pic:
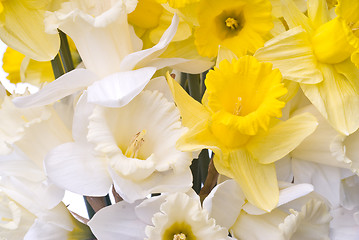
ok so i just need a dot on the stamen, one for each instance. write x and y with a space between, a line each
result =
238 106
232 23
135 144
179 236
24 118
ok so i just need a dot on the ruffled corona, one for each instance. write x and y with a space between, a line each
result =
243 95
182 218
237 25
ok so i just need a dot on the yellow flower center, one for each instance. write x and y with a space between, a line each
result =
179 236
231 23
179 231
133 149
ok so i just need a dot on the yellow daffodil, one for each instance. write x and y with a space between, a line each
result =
22 28
239 25
238 121
316 52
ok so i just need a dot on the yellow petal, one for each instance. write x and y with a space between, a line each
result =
258 181
198 138
281 139
294 17
178 3
192 112
348 10
318 12
336 98
23 30
292 53
11 64
184 31
37 73
146 15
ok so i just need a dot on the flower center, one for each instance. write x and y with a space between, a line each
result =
231 23
238 106
179 236
135 144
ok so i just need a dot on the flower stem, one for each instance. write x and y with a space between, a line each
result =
65 53
57 66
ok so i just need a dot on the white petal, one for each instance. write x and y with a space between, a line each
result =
118 221
65 85
83 110
45 231
224 203
149 207
325 179
74 167
120 88
141 58
160 84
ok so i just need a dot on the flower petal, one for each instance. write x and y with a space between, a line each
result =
292 53
336 98
192 112
65 85
281 139
120 88
73 167
141 58
258 181
118 221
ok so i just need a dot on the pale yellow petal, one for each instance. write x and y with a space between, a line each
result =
258 181
318 12
23 29
292 53
294 17
146 15
37 73
336 98
281 139
198 138
192 112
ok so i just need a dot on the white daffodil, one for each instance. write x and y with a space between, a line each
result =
132 147
24 214
116 67
34 131
298 212
175 216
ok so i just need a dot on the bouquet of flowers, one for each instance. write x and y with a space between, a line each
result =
181 119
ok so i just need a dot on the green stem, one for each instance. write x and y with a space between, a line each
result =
194 86
183 79
196 176
65 53
57 67
203 161
89 209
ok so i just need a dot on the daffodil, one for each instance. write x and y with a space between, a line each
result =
116 67
22 28
240 26
132 147
300 213
177 216
316 53
238 121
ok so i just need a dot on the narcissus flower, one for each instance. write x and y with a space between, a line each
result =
132 147
238 121
177 216
240 26
316 52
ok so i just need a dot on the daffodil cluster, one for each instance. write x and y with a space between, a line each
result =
180 119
